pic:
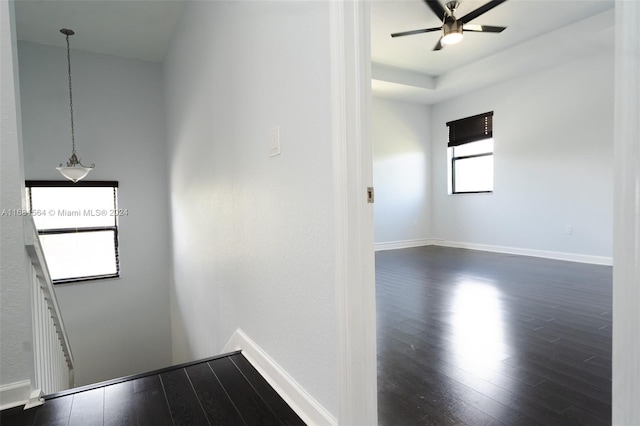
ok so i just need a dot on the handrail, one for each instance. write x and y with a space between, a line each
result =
34 249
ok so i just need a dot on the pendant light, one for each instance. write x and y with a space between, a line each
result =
74 169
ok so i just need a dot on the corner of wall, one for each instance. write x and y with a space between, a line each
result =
16 360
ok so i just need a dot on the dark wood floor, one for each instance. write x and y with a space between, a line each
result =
223 391
475 338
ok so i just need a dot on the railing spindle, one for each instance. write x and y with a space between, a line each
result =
53 361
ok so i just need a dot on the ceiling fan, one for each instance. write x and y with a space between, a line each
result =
452 27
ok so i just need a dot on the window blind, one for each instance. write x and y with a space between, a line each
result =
470 129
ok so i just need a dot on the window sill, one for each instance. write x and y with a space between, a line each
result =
85 279
471 192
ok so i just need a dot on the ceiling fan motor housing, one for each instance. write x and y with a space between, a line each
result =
452 6
451 30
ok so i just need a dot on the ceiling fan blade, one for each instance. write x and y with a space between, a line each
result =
439 45
479 11
437 8
406 33
483 28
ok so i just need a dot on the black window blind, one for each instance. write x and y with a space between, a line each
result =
470 129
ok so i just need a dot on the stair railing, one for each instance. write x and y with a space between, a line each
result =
53 360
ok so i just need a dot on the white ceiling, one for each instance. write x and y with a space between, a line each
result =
140 29
524 19
539 33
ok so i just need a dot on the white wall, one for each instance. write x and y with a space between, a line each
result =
16 356
253 235
553 134
116 326
401 170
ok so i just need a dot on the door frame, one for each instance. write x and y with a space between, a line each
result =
353 214
355 269
626 217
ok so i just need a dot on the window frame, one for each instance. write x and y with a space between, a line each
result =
454 158
57 231
464 131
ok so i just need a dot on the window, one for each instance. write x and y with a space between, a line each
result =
470 152
78 228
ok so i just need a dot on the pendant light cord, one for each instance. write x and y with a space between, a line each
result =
73 138
74 169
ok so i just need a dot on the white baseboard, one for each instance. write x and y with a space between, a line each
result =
394 245
309 410
14 394
571 257
35 399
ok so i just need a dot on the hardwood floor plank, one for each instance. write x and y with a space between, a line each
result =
253 409
577 416
279 407
492 338
150 402
119 408
436 385
183 403
152 408
214 400
17 416
578 400
526 401
189 394
54 411
579 380
442 348
147 383
87 408
397 410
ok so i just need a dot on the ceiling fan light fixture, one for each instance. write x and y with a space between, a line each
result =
452 27
452 32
